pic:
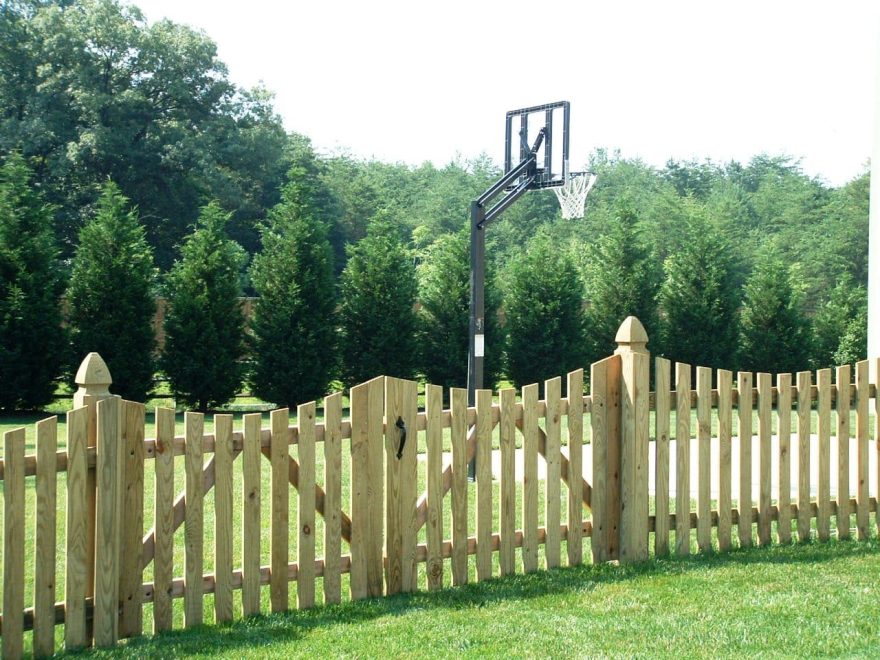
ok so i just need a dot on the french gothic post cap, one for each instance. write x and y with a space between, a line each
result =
93 379
631 336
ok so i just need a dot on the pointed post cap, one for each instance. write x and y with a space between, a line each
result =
93 379
631 337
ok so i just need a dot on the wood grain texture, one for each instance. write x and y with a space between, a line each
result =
783 495
725 457
107 540
75 635
250 515
401 439
507 513
530 478
804 413
704 465
332 498
765 422
163 560
13 544
844 378
634 456
823 519
552 484
744 428
44 542
862 498
409 485
434 442
131 621
575 400
662 385
305 579
605 422
194 521
279 539
682 459
483 459
223 529
459 486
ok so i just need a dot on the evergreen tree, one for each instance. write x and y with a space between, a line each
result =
698 299
111 296
294 333
621 280
444 294
378 288
32 341
544 303
845 305
853 345
774 332
204 324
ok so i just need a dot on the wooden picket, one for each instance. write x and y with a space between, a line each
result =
704 465
163 558
575 402
765 452
107 531
459 486
223 517
823 519
333 498
804 407
75 631
744 426
662 385
13 543
250 516
862 496
725 455
682 459
842 439
434 448
483 460
194 531
507 513
44 544
783 496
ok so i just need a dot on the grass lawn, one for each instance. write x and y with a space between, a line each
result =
796 601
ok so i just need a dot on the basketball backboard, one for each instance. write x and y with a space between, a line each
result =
547 127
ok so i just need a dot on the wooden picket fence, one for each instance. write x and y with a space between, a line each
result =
392 535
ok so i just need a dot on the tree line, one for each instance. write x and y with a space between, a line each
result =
132 167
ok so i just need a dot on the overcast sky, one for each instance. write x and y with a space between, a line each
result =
411 81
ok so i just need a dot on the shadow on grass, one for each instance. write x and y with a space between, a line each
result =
289 626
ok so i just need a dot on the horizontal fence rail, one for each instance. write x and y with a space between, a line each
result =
189 525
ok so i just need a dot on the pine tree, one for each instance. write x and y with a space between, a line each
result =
378 288
111 296
699 300
32 344
845 306
204 324
444 294
294 330
774 332
621 280
543 303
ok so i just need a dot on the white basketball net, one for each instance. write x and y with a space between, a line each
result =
573 195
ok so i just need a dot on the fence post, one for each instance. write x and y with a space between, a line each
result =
634 421
93 382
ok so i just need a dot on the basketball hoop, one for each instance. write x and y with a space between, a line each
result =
572 195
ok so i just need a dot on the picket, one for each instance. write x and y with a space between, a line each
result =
844 377
250 516
765 420
704 466
194 522
483 459
575 401
131 568
783 497
725 449
305 579
279 458
530 478
44 543
108 475
552 482
333 498
823 520
804 411
459 486
744 428
163 559
682 459
507 514
862 498
223 518
662 385
75 572
13 543
434 448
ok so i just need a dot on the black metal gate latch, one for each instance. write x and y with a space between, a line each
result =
402 426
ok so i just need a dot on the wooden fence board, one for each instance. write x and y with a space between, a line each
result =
13 544
44 544
507 514
250 515
393 487
279 539
332 498
783 496
862 498
744 428
75 551
662 385
823 520
765 421
725 449
459 486
682 459
605 421
804 411
552 484
163 559
574 542
409 486
194 522
305 579
530 478
434 442
844 378
223 518
704 464
634 424
483 458
108 504
131 570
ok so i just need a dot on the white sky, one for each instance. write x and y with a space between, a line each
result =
411 81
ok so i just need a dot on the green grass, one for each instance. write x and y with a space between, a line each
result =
796 601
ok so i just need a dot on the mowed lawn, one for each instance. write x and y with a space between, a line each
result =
796 601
